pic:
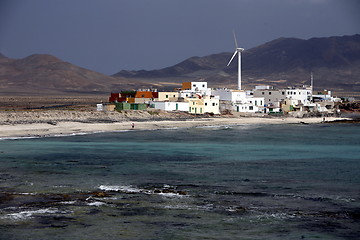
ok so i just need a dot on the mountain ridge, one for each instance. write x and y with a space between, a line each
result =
41 74
335 62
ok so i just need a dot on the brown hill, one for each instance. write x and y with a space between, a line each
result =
42 74
334 61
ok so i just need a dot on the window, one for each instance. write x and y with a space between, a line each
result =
203 85
262 93
206 104
166 96
251 107
269 93
213 104
194 85
283 93
255 102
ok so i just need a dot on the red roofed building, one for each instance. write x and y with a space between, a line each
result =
145 96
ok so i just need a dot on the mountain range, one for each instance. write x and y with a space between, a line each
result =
334 62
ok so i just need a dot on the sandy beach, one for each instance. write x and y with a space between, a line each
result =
27 124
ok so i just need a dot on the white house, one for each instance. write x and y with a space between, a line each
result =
99 107
229 94
170 106
250 104
322 95
303 94
241 101
190 88
273 97
194 86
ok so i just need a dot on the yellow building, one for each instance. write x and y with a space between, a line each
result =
168 96
203 105
290 105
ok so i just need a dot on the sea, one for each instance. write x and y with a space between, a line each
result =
251 181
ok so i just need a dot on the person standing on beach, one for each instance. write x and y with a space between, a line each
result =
132 125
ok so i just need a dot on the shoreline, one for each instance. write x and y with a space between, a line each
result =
68 128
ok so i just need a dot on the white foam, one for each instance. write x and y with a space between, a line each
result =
131 189
68 202
275 216
70 134
215 127
171 195
179 206
126 189
97 204
19 138
30 213
26 193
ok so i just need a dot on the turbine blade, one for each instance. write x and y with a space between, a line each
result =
236 44
232 57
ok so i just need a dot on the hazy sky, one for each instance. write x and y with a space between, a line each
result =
111 35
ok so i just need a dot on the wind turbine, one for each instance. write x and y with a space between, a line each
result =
237 51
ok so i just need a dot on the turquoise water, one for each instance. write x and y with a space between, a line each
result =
234 182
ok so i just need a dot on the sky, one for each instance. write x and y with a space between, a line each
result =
112 35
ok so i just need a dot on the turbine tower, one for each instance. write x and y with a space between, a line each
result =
237 51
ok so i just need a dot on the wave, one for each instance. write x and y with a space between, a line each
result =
23 215
125 189
96 203
316 198
216 127
44 136
60 135
19 138
166 190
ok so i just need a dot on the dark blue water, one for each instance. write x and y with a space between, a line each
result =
242 182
